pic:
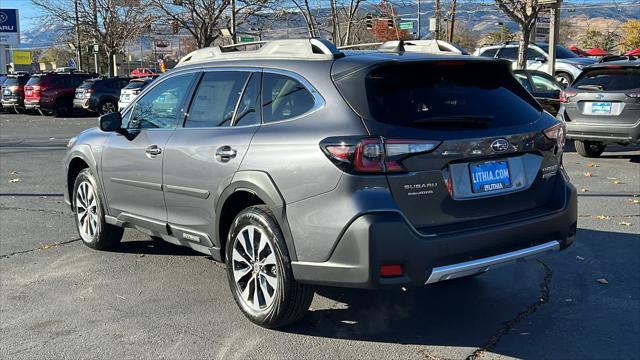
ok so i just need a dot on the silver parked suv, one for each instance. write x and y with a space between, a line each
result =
297 164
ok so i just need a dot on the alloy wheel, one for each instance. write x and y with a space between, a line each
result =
108 108
255 270
87 211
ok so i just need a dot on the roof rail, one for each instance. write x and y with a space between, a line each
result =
355 46
303 49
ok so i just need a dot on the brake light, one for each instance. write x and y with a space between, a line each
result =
566 95
374 155
635 95
556 132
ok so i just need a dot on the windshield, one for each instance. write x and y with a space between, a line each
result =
609 79
442 94
561 51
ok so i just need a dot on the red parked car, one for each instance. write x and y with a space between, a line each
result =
53 92
143 72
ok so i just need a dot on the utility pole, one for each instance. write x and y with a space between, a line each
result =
418 33
78 46
453 20
437 19
554 34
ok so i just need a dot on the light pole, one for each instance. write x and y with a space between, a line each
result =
418 33
233 21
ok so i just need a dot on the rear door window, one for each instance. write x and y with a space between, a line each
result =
216 98
248 112
284 98
609 79
489 52
510 53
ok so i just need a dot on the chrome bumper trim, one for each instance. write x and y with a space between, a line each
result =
453 271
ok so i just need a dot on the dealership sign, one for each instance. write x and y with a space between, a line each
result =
9 27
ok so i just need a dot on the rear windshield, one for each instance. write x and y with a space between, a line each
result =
136 85
451 94
609 79
86 84
13 81
34 80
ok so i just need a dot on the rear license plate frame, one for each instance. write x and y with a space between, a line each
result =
490 186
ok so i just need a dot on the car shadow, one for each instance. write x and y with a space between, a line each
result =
472 312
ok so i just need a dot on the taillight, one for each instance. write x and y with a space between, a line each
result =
635 95
556 132
374 155
135 91
566 95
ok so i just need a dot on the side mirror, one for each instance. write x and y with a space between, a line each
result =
541 59
110 122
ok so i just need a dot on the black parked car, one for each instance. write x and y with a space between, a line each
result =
544 87
100 95
603 107
13 92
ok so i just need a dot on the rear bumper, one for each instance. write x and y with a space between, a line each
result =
12 103
31 104
385 237
625 134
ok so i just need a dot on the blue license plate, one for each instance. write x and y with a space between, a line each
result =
601 108
490 176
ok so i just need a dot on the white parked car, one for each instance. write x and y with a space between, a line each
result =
131 91
568 64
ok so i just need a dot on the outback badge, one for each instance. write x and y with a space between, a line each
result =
500 145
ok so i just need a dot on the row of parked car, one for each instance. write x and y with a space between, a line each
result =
60 93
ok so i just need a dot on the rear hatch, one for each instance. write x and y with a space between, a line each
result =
13 87
85 89
604 95
488 159
129 92
33 88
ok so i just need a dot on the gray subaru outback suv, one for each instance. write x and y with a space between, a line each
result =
297 164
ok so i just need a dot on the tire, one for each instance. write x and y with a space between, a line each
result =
90 223
107 107
271 274
589 149
565 79
61 109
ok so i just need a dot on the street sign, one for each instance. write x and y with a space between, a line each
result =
246 39
408 25
542 27
433 24
9 27
22 57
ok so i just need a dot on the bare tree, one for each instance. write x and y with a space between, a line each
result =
523 12
345 16
307 14
110 23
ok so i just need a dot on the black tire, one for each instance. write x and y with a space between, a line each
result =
291 300
565 79
61 109
107 107
590 149
105 236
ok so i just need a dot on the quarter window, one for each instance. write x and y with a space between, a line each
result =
161 107
216 98
284 98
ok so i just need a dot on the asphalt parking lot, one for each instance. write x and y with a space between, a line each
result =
150 299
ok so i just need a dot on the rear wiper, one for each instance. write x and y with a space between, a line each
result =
457 120
591 87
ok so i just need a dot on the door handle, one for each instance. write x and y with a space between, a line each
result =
153 151
225 153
